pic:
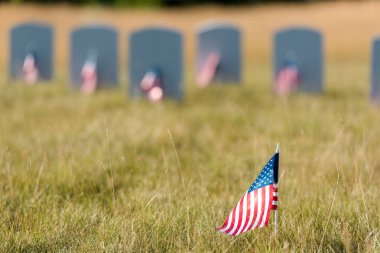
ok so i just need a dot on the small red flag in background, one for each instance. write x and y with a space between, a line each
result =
89 76
287 80
208 71
30 69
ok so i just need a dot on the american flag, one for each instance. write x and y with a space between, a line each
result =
151 85
208 70
89 75
30 69
253 209
287 80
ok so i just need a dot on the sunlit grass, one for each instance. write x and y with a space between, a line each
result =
86 173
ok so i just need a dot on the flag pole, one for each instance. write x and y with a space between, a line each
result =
276 183
275 221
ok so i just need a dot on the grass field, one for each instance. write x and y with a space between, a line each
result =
104 173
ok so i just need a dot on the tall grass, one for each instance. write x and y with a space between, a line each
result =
105 172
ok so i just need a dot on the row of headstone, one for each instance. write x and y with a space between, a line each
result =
156 58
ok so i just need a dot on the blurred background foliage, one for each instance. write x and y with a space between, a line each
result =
153 3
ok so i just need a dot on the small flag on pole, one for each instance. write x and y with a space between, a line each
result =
253 209
287 80
30 69
89 75
151 85
208 71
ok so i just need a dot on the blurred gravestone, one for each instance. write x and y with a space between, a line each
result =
219 54
31 49
375 71
301 47
156 52
96 45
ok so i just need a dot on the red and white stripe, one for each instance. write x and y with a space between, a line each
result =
252 211
30 70
208 71
287 80
275 197
152 87
89 77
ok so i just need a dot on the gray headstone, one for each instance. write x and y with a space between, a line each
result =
158 48
99 42
304 47
225 39
375 70
31 38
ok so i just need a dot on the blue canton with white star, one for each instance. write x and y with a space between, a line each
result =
265 177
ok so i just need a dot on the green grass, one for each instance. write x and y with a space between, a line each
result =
100 173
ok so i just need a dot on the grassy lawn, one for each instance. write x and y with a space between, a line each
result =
106 173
